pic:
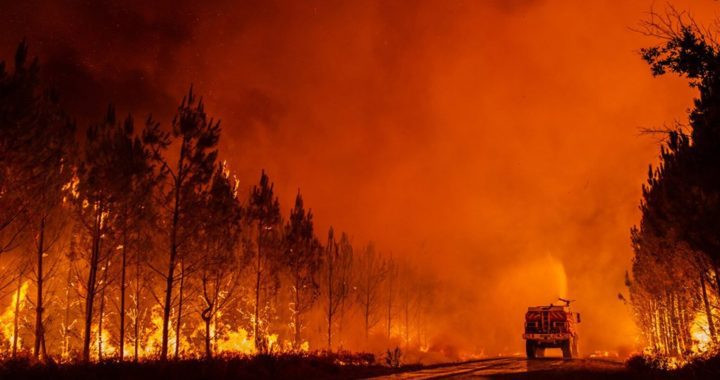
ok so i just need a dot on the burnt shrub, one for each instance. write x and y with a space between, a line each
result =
319 365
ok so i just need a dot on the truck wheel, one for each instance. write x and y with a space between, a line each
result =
530 349
575 352
567 354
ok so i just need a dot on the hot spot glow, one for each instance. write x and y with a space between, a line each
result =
7 318
700 334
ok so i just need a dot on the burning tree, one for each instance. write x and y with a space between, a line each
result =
100 214
36 145
302 259
197 137
221 262
111 191
135 211
264 216
370 273
675 269
337 278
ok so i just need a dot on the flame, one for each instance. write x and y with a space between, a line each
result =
154 341
226 339
72 188
108 349
273 342
237 342
7 318
700 334
305 346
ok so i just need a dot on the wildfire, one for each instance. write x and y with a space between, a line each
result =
237 341
154 341
700 334
7 318
104 339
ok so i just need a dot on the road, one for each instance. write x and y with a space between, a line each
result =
487 368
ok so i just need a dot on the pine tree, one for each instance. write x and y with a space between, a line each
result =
197 137
264 215
302 259
337 269
37 141
220 265
676 247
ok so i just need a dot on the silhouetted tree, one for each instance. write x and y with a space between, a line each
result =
302 259
390 290
36 145
337 269
676 247
370 272
220 265
198 138
21 126
93 200
264 213
134 186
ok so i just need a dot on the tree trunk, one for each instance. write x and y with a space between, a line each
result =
168 300
706 303
717 279
173 252
687 320
215 335
330 303
367 316
674 324
407 323
297 312
389 310
341 323
207 313
102 310
180 306
664 330
208 348
16 316
94 258
122 295
136 327
66 318
39 303
258 272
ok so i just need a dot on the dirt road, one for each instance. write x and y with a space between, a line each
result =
506 367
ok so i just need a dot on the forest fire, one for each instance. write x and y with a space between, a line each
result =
282 185
8 319
702 340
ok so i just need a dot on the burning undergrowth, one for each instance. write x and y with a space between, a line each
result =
319 365
698 366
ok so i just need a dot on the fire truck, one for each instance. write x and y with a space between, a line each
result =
551 326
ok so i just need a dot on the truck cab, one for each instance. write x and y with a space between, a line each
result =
552 326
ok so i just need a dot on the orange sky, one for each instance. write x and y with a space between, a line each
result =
496 143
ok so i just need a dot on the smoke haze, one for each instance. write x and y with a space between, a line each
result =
495 145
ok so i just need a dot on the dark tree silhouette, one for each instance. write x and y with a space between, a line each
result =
36 145
337 269
94 197
302 259
134 181
677 250
221 264
88 220
198 138
264 213
370 273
